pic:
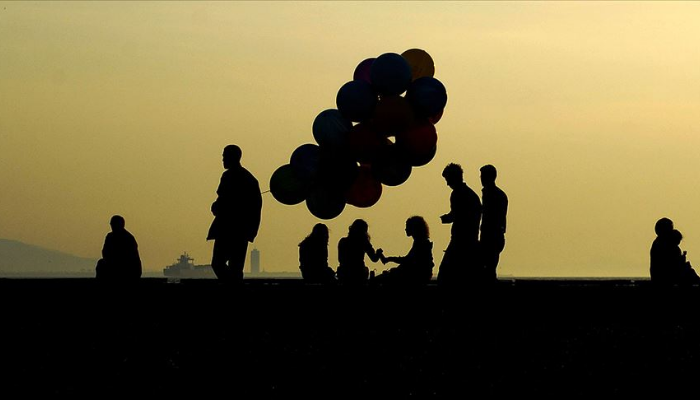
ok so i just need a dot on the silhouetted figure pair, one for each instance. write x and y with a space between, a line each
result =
351 254
461 263
416 267
237 210
668 263
493 222
120 254
313 256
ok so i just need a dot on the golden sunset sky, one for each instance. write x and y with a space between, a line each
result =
589 110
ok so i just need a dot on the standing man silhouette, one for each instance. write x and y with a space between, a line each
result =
461 261
493 222
236 212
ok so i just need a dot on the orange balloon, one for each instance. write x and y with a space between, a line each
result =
421 63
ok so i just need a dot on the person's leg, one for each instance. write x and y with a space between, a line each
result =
446 272
491 251
219 259
236 262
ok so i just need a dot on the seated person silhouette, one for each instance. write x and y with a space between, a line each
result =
686 275
351 254
416 267
668 264
313 256
120 254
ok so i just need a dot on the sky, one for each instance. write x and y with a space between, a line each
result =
590 111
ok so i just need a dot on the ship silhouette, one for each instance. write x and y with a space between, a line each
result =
186 268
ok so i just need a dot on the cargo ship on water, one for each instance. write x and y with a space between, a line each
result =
186 268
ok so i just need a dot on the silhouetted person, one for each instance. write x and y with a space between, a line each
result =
686 273
120 254
493 222
416 267
668 264
236 212
461 261
351 254
313 256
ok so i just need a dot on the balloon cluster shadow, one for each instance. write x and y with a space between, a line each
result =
383 127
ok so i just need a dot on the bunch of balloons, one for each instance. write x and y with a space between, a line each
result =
383 126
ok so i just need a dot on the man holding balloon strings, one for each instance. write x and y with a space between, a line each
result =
237 211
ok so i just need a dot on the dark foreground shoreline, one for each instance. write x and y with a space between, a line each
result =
277 338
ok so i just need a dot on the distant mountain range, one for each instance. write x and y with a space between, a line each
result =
19 259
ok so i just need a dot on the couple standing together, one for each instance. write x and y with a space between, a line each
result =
478 230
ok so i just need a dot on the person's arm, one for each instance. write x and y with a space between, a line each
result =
371 253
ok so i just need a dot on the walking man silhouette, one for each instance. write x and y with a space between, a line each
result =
461 262
237 211
493 222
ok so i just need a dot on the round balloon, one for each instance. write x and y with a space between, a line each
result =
393 115
421 63
419 139
325 203
365 142
392 167
305 161
362 71
420 159
366 190
337 169
390 74
436 118
427 96
287 187
356 100
331 129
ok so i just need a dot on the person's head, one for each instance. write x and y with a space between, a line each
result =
452 174
359 228
232 156
676 236
320 231
663 226
488 175
417 228
117 223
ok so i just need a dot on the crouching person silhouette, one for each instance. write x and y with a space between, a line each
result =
120 254
416 267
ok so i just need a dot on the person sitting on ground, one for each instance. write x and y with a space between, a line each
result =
351 254
416 267
120 254
313 256
668 263
685 274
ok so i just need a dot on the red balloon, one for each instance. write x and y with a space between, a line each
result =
436 118
393 115
366 190
419 139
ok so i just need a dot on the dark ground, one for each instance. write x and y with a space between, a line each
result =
278 338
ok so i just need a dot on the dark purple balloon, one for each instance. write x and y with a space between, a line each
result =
362 72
